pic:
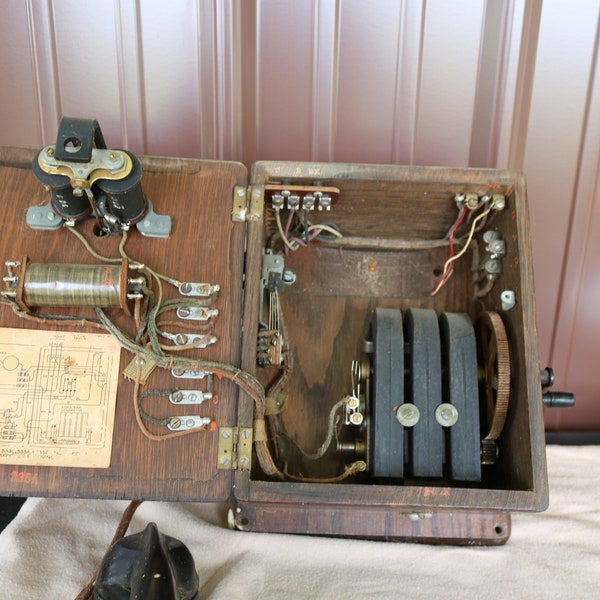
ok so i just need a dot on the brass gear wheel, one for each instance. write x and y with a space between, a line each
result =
495 371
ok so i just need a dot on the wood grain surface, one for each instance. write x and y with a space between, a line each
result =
328 310
327 314
204 246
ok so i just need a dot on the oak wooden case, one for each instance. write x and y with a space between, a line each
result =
327 313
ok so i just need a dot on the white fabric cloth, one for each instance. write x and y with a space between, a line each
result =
50 550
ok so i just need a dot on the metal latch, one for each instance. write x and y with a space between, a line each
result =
248 203
235 448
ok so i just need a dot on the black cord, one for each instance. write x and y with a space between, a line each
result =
306 236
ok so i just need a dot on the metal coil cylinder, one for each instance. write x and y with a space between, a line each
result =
51 284
72 285
63 199
124 197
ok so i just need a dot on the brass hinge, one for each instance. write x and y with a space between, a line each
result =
248 201
235 448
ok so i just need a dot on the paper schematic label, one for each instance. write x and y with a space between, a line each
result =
57 397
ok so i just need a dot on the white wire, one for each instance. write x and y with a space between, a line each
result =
326 228
445 271
287 242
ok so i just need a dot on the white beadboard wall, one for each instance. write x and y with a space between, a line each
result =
506 83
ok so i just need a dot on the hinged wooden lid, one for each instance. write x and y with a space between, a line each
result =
205 245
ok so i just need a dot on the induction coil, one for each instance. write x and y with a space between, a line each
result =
72 285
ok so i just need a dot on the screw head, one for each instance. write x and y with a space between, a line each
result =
177 396
408 414
499 203
181 339
356 418
353 402
184 311
446 414
472 202
175 422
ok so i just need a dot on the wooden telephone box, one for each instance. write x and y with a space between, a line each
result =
372 332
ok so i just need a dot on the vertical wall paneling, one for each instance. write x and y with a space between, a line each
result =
367 81
218 70
494 57
248 98
406 100
191 67
516 143
551 153
130 70
207 71
507 83
284 79
87 65
514 72
172 80
448 82
45 70
576 342
324 78
18 92
228 80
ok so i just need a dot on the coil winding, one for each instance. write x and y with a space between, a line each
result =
72 285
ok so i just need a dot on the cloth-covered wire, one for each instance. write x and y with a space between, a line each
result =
156 355
244 380
448 265
86 592
309 231
320 452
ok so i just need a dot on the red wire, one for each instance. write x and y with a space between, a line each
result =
461 216
459 220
